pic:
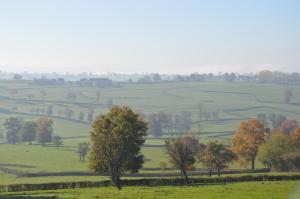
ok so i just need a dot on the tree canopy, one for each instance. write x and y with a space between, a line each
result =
116 141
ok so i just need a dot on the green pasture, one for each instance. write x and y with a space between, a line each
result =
234 101
244 190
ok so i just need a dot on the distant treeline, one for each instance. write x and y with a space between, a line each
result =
264 76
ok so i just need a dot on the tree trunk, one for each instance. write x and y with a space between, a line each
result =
115 178
253 163
185 176
83 158
210 172
219 173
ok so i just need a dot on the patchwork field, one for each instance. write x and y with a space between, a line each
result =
234 101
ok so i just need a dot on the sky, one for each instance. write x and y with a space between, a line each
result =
142 36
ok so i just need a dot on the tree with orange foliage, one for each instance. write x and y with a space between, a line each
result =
247 139
296 137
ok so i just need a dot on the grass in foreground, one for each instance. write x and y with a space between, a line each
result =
245 190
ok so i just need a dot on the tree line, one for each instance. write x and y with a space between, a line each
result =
40 131
117 138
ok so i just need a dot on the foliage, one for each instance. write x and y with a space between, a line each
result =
28 131
155 127
247 139
296 137
273 151
182 153
117 138
44 129
13 127
83 148
216 156
57 140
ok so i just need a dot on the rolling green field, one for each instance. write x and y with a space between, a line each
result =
249 190
234 101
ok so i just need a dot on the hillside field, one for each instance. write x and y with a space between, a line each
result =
234 101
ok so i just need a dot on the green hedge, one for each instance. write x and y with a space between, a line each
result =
145 182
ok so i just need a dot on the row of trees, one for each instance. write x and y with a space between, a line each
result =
182 122
117 138
41 131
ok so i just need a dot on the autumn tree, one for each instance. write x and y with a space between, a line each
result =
216 156
13 127
182 153
28 131
116 139
44 130
83 148
247 139
296 137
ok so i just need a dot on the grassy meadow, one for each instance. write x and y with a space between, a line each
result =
244 190
234 101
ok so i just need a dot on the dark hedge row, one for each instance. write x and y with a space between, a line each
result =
146 182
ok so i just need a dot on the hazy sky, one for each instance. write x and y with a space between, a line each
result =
166 36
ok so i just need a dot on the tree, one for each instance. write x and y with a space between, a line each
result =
44 130
156 77
50 110
155 125
28 131
98 94
81 116
182 153
288 125
296 137
68 113
276 120
43 93
273 151
265 76
247 139
83 148
263 119
117 138
57 140
17 77
90 115
166 120
110 102
13 126
216 156
288 94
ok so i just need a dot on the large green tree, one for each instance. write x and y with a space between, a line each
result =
274 153
116 141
